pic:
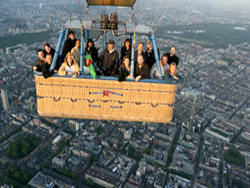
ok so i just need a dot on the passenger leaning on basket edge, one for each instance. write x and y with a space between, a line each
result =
69 66
171 74
88 63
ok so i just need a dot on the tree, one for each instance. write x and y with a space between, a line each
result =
73 175
64 171
25 151
6 165
25 177
89 182
43 150
95 158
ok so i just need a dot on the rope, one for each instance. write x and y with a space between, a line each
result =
59 8
155 14
142 10
84 10
162 15
66 9
73 2
57 13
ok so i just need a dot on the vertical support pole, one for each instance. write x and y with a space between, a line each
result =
59 43
157 58
82 50
64 39
132 55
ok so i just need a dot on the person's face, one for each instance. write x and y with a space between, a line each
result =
87 61
69 60
72 36
140 47
172 51
111 47
126 62
127 45
164 60
140 60
78 44
173 69
49 59
90 44
149 45
47 49
40 55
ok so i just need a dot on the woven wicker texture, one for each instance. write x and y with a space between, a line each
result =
105 99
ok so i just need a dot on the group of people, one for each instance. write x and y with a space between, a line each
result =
108 63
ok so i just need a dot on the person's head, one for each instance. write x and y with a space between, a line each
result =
72 34
172 50
164 60
140 59
49 58
40 54
149 44
125 62
111 45
78 43
172 69
87 59
47 47
69 59
127 43
90 43
140 47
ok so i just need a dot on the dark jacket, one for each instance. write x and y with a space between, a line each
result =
125 52
169 78
38 64
93 52
151 57
144 56
109 62
69 44
123 74
143 71
52 52
172 59
45 70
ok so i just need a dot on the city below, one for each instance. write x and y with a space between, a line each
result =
207 143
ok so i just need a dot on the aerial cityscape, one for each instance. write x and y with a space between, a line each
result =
207 143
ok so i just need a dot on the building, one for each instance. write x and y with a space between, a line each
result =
5 99
57 139
127 134
74 125
41 181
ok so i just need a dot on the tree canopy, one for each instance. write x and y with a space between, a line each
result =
20 148
233 156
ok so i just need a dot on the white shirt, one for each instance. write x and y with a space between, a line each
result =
70 68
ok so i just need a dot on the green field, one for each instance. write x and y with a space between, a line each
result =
216 35
26 38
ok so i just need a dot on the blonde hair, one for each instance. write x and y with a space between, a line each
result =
69 55
172 64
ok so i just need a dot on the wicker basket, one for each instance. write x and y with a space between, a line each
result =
105 99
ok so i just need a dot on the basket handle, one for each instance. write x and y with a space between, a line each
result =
154 105
121 102
56 100
90 101
73 100
171 105
39 97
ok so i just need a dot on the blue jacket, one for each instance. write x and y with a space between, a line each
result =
169 78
